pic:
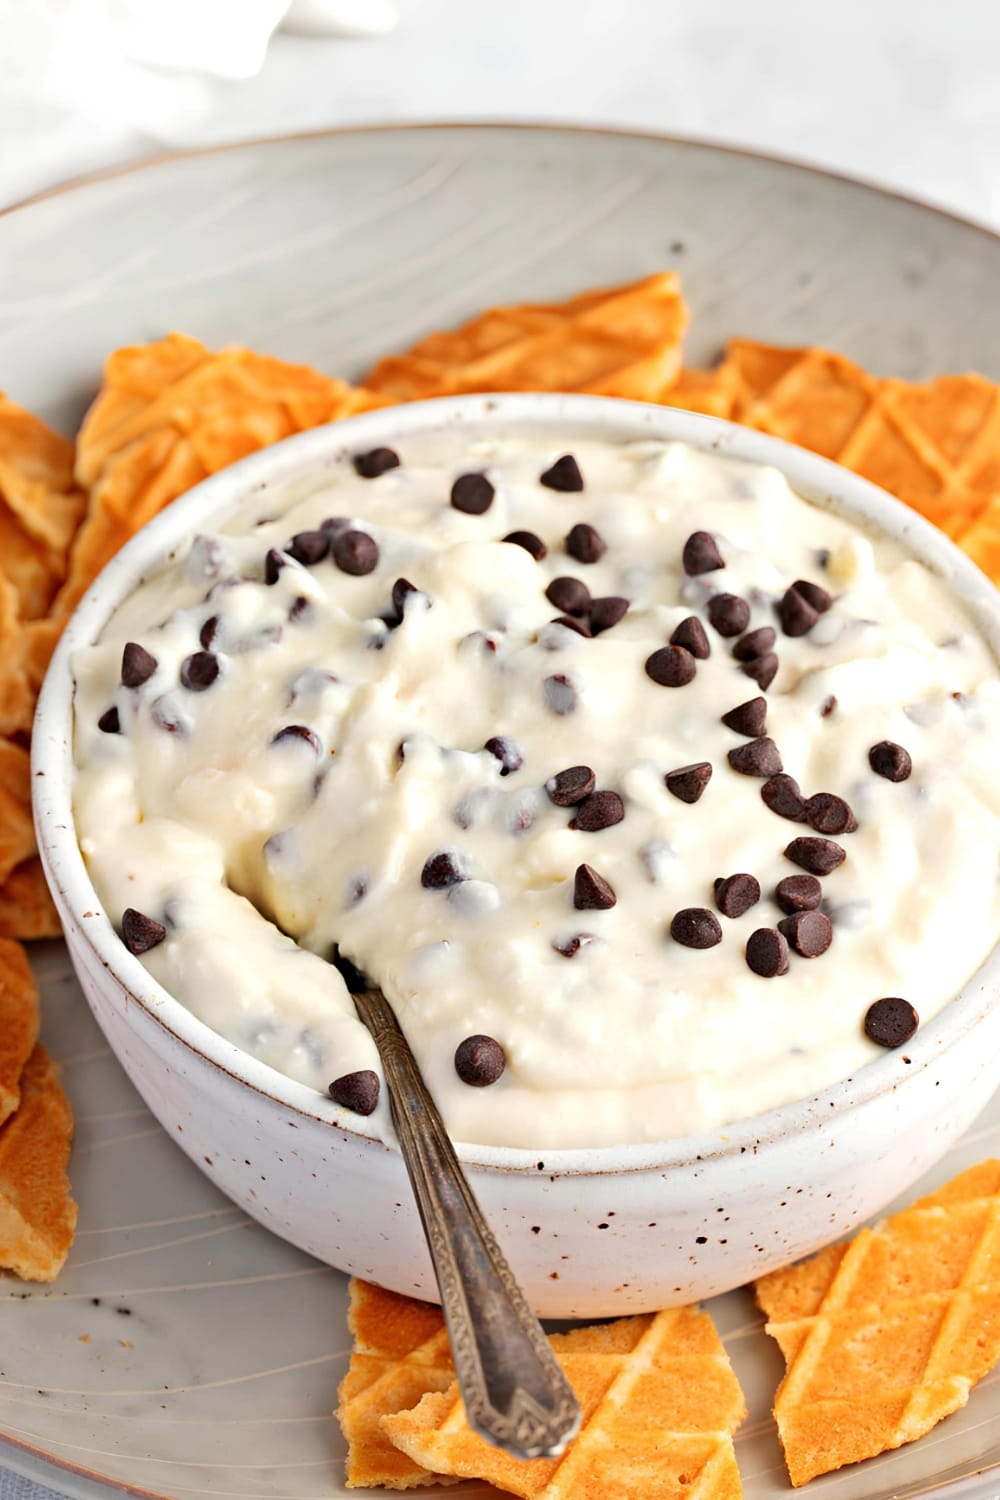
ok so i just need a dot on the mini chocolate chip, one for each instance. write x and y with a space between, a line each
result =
735 894
401 591
479 1061
759 757
818 856
298 732
830 814
273 564
599 810
110 722
529 541
690 634
763 670
810 933
355 552
671 666
139 932
506 752
299 606
138 665
569 947
208 632
309 547
585 543
688 782
796 614
729 614
700 554
375 462
891 1022
473 494
607 612
570 595
767 953
199 671
559 694
798 893
783 796
591 892
748 718
441 870
755 643
358 1091
828 706
696 927
579 627
890 760
564 475
814 594
567 788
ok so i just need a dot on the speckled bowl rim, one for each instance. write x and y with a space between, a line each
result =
566 417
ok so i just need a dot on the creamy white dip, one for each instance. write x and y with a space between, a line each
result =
256 855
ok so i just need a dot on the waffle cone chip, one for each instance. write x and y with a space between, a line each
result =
18 1023
37 1211
660 1404
884 1336
618 341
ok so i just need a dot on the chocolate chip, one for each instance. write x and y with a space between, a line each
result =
529 541
585 543
748 718
890 760
138 665
375 462
798 893
559 694
564 475
690 634
671 666
759 757
479 1061
818 856
298 732
569 947
796 614
810 933
891 1022
110 722
591 892
299 606
570 595
309 547
506 752
208 632
473 494
755 643
700 554
139 932
830 814
567 788
441 870
762 669
767 953
401 591
814 594
273 564
783 796
607 612
728 613
355 552
358 1091
599 810
570 622
199 671
828 706
696 927
688 782
735 894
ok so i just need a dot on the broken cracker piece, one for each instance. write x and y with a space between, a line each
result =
18 1022
37 1211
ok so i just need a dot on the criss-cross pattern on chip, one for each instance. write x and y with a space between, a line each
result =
885 1335
618 341
37 1211
660 1404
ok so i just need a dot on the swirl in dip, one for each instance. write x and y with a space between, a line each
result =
518 804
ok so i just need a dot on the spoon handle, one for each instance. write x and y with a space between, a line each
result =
515 1393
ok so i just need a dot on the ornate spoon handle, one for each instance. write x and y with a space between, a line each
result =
515 1393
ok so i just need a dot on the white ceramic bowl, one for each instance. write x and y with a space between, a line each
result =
589 1232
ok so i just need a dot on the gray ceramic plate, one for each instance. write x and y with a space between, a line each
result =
184 1352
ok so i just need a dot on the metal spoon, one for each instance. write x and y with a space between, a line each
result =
515 1393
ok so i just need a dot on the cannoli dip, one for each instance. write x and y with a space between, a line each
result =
652 795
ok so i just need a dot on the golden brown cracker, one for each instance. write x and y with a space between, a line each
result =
37 1211
27 911
18 1022
17 834
40 507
